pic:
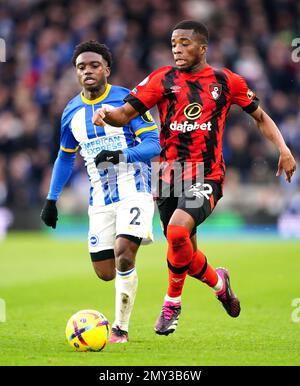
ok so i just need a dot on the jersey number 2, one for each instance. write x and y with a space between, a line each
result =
137 214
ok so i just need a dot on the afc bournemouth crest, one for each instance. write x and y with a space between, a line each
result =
250 93
215 90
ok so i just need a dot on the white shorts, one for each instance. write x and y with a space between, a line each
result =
130 216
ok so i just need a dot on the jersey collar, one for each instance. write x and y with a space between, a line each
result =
97 100
203 70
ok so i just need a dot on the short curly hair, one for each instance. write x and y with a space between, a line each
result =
199 28
92 46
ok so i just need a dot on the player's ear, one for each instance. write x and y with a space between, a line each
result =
107 71
203 49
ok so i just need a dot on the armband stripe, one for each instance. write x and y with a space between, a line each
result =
150 128
69 150
252 106
136 104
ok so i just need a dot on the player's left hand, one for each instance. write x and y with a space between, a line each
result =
286 163
113 157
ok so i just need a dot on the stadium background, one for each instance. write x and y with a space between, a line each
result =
253 38
46 276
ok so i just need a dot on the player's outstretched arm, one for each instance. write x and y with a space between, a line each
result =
270 131
118 116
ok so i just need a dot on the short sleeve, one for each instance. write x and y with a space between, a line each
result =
242 95
67 141
148 93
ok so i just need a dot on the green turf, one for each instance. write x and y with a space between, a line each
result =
44 282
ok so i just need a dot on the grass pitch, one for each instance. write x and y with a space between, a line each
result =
44 282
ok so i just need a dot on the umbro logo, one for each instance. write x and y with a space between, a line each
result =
176 280
173 89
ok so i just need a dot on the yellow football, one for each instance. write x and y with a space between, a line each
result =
88 330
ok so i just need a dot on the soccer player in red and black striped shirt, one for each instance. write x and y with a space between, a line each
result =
193 100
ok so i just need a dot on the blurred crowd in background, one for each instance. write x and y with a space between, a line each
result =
251 37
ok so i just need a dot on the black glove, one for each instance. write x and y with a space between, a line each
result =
49 213
114 157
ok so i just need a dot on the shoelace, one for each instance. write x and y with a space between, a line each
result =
224 295
119 332
168 311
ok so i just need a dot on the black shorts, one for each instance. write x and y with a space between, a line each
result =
198 201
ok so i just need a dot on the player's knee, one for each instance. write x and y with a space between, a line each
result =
105 275
177 235
124 262
105 269
125 252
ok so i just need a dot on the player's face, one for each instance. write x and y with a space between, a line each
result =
92 70
187 49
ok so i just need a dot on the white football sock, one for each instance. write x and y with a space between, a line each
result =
126 285
174 300
219 284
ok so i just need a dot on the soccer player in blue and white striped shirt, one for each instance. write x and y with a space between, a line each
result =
121 204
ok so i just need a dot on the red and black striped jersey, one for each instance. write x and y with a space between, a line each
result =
193 108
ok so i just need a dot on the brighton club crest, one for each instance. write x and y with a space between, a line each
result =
215 90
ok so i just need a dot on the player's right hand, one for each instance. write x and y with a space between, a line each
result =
49 213
99 115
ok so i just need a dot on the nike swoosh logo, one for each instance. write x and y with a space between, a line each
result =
109 158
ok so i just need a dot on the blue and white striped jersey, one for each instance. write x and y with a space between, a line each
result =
78 131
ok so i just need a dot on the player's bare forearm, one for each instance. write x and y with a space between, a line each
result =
118 116
270 131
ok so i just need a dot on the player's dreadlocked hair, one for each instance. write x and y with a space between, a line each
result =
199 28
92 46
